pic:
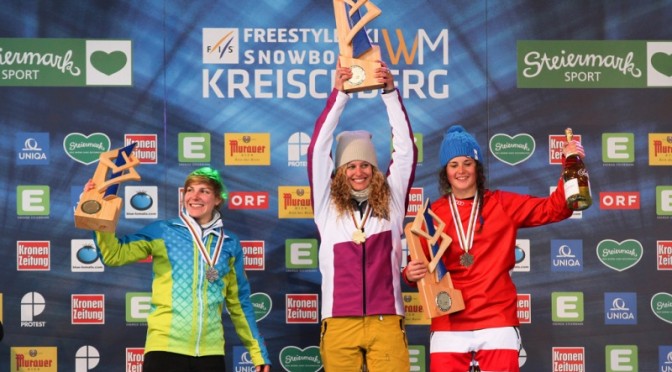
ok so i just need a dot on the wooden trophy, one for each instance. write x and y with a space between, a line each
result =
356 49
436 291
98 209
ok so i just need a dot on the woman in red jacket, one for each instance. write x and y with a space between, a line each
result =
483 225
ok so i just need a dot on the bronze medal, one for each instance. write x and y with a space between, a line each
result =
211 274
90 207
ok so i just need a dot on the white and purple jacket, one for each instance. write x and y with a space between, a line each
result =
360 279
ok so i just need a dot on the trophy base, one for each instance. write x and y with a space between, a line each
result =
98 214
440 298
363 70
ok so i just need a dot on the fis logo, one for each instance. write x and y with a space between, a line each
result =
220 45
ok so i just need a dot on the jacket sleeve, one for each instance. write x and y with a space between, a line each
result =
530 211
401 171
320 163
240 308
128 249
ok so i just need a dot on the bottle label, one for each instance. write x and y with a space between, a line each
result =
571 187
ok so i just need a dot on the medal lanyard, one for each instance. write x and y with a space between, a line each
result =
465 240
199 243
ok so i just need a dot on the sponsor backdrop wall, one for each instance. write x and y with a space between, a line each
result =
203 83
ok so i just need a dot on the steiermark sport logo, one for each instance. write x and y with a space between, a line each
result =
294 359
65 62
619 256
86 149
512 150
661 305
594 63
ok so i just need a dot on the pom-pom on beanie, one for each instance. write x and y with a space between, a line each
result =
457 142
355 145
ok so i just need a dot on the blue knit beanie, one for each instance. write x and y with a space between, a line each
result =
457 142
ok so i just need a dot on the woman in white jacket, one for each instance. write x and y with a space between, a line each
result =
359 213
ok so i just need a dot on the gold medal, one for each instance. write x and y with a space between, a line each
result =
358 236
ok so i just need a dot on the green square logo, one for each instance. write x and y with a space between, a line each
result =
418 359
621 358
418 137
32 200
567 307
618 147
301 254
193 147
664 200
138 305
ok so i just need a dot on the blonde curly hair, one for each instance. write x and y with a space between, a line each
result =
379 196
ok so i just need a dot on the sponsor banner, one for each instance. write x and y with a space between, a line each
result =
295 359
88 309
301 254
415 201
594 64
32 148
524 308
664 254
33 255
247 148
621 358
301 308
660 149
415 313
134 358
512 150
248 200
619 256
254 252
46 62
34 358
294 202
146 147
611 200
569 359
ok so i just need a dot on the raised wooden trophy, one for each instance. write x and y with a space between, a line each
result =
436 289
99 208
355 48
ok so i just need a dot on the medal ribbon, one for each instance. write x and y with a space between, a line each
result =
194 230
465 240
366 216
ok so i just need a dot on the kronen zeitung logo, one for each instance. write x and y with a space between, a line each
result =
594 64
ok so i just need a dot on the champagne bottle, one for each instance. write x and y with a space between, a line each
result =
577 184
